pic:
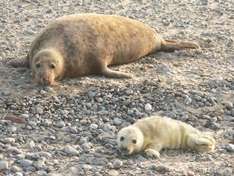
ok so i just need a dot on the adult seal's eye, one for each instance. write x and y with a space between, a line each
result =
52 66
134 141
121 138
38 65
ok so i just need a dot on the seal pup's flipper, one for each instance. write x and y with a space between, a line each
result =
172 45
201 142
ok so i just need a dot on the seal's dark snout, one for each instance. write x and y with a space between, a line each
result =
124 151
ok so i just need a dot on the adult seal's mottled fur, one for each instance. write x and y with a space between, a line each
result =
78 45
155 133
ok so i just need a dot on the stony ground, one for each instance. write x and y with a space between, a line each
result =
71 129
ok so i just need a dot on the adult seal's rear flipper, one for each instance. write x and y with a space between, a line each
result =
172 45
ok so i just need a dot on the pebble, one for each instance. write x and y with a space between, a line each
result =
86 146
19 174
230 147
39 109
3 165
117 163
117 121
148 107
91 94
15 119
160 168
190 173
93 126
14 150
16 168
25 162
42 173
71 151
224 172
12 129
113 172
40 164
60 124
26 116
9 140
187 100
228 104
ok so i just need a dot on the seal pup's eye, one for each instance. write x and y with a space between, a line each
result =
134 141
38 65
52 66
121 138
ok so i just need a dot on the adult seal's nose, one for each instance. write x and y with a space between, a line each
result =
46 81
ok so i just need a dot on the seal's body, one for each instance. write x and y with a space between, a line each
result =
78 45
154 133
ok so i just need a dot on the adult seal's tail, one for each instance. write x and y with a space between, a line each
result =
78 45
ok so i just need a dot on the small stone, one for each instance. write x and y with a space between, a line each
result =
162 169
20 156
40 164
93 126
39 109
224 172
190 173
42 173
117 163
14 150
26 116
16 169
113 172
230 147
148 107
130 112
117 121
3 165
60 124
19 174
212 125
49 89
45 154
83 140
228 104
12 129
25 163
187 100
31 144
71 151
86 167
86 146
42 92
15 119
9 140
91 94
99 99
47 122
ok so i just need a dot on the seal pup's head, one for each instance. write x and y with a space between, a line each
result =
130 140
47 66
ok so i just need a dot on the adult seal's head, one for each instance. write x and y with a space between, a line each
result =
47 66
